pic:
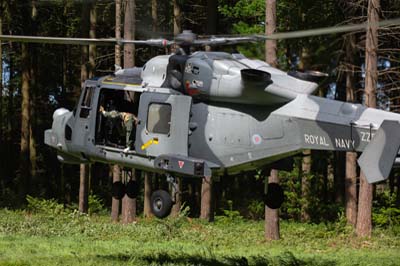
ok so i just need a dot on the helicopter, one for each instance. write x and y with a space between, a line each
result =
213 114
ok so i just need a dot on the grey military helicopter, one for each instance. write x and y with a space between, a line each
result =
209 114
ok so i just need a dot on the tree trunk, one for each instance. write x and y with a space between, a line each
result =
364 223
147 194
206 211
154 16
92 35
339 177
128 204
305 185
84 169
351 188
351 157
83 188
129 33
116 169
272 215
116 177
118 32
33 117
270 27
177 18
25 116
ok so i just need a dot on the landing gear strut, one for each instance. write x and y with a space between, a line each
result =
162 201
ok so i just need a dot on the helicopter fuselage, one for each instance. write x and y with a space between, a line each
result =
196 136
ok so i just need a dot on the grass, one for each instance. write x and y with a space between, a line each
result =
69 238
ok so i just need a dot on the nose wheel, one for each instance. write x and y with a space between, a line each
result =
161 203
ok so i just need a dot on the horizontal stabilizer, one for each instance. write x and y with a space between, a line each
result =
378 157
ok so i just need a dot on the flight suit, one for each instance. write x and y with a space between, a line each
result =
127 119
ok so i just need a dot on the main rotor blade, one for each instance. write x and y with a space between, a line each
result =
325 31
207 41
82 41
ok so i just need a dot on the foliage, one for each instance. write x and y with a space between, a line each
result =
43 206
256 209
96 205
385 212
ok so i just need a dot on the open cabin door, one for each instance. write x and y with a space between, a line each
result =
163 124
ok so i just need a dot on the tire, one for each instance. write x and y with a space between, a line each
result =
274 197
132 189
161 203
118 190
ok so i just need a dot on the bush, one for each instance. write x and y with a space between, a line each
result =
385 212
43 206
96 205
256 210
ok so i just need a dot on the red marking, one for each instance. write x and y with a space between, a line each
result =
189 90
257 139
181 164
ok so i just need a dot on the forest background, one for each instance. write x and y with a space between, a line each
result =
37 79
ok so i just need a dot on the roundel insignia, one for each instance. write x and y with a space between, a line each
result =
256 139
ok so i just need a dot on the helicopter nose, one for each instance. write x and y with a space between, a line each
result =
59 112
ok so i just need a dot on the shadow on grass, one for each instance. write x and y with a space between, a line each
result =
286 259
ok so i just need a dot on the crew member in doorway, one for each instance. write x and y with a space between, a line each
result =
128 121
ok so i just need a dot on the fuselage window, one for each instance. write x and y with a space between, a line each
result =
86 102
159 118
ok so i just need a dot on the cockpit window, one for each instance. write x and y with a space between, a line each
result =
86 102
87 97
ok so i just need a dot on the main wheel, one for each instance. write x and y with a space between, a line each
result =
118 190
274 197
132 189
161 203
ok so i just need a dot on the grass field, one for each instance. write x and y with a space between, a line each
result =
70 238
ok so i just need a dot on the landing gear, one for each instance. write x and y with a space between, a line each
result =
274 197
162 201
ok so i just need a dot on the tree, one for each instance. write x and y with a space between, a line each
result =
147 194
115 204
305 185
177 18
351 157
116 169
129 32
33 92
84 168
129 204
206 211
364 223
24 164
271 215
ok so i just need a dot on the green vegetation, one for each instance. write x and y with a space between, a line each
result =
61 236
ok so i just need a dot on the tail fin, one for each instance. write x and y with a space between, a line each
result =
378 157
